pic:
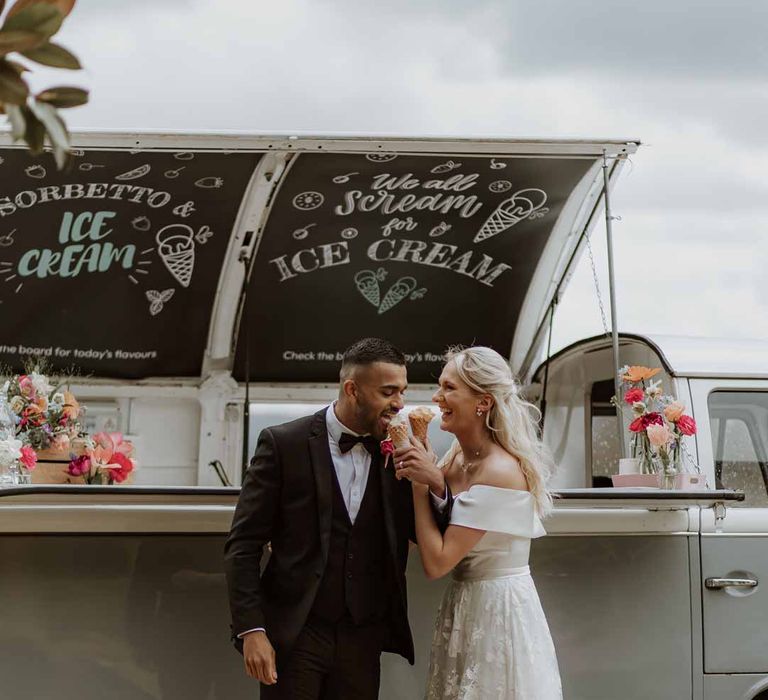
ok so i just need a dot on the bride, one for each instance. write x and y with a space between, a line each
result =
491 639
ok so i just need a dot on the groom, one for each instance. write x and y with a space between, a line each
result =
333 595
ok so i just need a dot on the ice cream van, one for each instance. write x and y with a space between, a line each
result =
204 286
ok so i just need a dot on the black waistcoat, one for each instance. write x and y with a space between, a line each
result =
356 577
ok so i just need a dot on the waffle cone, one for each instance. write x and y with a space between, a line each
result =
398 433
420 419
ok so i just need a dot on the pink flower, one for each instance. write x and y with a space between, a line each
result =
387 448
659 435
122 446
104 440
26 386
28 457
634 395
686 425
79 466
674 410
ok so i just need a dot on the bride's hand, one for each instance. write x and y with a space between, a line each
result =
418 463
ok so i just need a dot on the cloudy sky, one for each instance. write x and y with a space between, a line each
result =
687 77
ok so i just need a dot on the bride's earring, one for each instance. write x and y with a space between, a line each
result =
479 412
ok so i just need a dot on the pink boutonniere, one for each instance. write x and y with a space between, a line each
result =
387 448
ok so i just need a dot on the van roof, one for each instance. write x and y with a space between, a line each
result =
690 356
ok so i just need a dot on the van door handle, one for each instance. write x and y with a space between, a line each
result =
715 583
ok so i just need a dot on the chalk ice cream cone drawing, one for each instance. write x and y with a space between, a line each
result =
397 431
518 207
396 293
420 418
176 247
367 282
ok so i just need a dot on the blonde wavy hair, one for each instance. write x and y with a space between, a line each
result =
512 421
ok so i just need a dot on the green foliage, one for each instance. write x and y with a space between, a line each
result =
27 31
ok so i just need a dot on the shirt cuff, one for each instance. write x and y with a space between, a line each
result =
438 502
255 629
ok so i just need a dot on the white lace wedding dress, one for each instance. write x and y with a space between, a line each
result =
491 639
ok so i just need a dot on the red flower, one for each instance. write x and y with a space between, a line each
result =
641 423
79 466
634 395
28 457
387 447
126 467
686 425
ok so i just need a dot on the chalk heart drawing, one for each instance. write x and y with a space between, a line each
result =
158 299
519 206
367 282
176 247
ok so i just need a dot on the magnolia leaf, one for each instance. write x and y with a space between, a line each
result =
57 130
17 120
19 40
64 97
12 88
63 6
40 17
51 54
34 134
47 114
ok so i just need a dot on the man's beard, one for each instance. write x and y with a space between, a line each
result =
370 421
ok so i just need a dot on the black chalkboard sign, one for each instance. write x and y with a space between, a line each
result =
112 266
427 251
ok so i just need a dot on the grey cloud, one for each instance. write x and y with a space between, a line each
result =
671 38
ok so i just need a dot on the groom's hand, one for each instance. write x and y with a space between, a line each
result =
259 657
419 464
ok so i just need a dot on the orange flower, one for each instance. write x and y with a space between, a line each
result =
674 410
638 373
71 406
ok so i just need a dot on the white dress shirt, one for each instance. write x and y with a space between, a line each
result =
352 467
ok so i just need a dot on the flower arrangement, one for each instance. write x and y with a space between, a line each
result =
106 460
659 421
43 414
38 414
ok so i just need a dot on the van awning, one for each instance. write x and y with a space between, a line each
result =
130 264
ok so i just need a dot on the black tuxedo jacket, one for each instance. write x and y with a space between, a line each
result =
286 500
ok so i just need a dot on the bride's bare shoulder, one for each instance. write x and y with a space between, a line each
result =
504 471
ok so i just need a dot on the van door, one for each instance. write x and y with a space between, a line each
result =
733 438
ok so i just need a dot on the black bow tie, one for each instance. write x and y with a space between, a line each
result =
347 442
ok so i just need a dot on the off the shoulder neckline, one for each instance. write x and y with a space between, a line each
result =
488 486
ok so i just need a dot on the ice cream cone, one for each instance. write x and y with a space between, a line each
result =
420 418
398 433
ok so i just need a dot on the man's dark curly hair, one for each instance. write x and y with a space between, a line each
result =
370 350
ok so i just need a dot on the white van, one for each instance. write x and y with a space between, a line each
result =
170 268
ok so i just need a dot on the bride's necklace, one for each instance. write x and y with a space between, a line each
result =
467 465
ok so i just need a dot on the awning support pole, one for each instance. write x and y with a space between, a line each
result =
612 294
245 259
